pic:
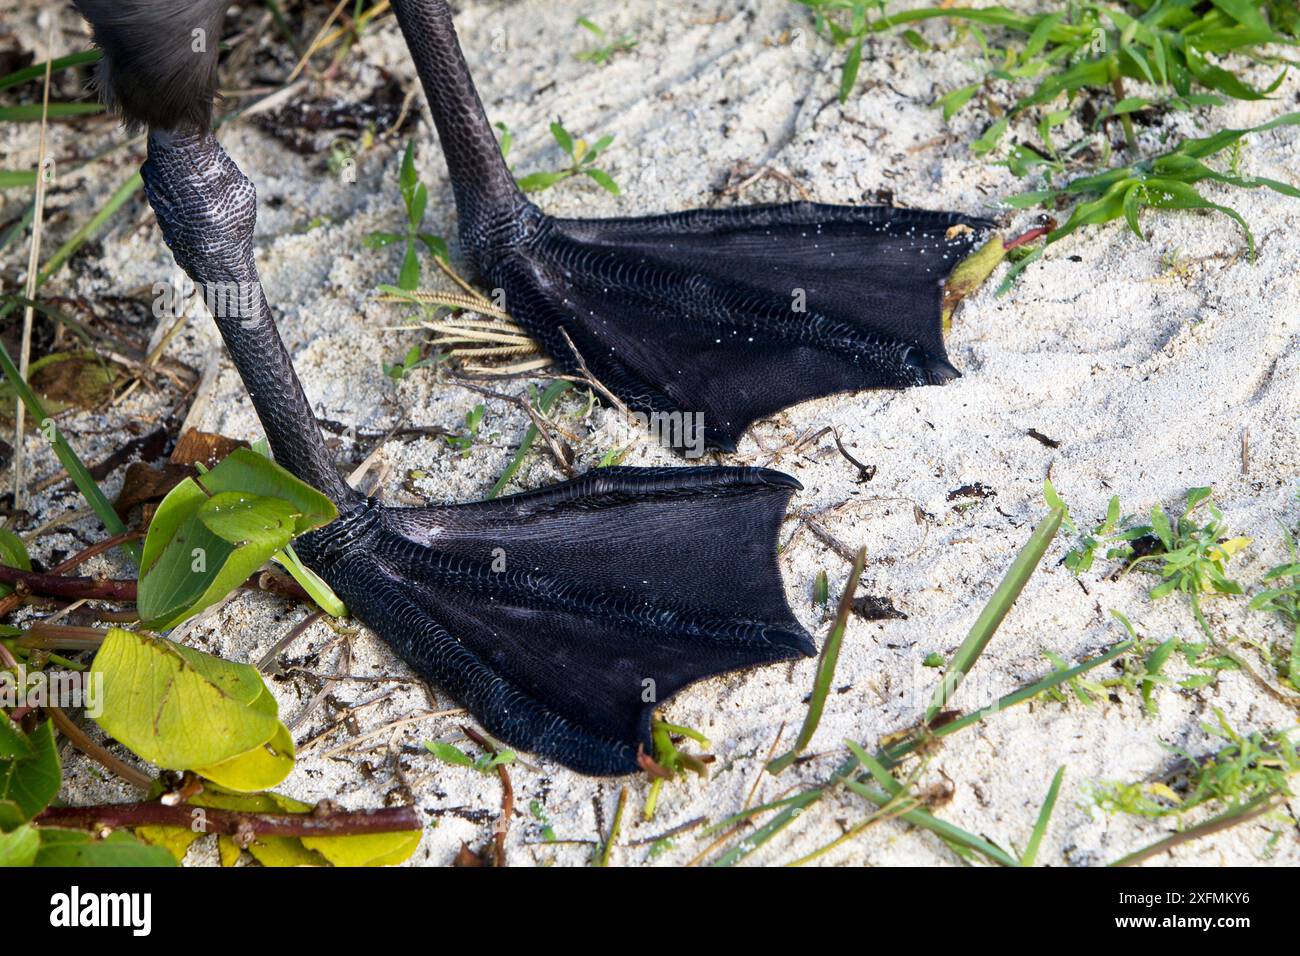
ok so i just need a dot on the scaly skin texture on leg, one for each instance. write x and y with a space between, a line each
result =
561 618
207 209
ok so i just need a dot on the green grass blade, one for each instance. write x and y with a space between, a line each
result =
95 223
37 70
76 470
544 404
1248 811
32 112
892 755
67 457
830 655
995 611
1044 816
949 832
312 583
770 829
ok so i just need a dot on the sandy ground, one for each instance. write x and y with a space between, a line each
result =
1151 377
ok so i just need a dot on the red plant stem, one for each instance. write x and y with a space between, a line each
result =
79 739
507 798
324 820
1027 237
54 585
63 637
99 547
12 601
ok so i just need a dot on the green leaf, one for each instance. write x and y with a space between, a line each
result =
377 240
13 742
28 782
598 147
603 178
1044 817
13 553
849 75
239 519
953 102
544 404
182 709
60 847
1131 204
916 41
315 586
419 202
992 136
1172 194
507 139
32 112
436 245
995 611
258 769
407 177
37 70
174 840
19 847
826 662
187 566
409 278
366 849
536 182
562 137
821 590
449 754
1056 504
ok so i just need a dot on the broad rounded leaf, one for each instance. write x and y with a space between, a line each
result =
14 554
179 708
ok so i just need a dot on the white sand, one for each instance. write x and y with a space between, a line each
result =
1149 377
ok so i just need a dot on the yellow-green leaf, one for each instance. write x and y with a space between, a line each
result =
366 849
174 840
228 850
256 769
28 782
180 708
239 518
284 851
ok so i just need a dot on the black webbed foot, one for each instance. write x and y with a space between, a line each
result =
563 618
732 314
721 315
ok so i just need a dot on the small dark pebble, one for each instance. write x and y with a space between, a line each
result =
1038 436
872 608
977 490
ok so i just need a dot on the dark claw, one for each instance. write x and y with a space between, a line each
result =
931 369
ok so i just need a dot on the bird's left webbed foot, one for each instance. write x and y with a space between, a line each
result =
563 618
729 315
